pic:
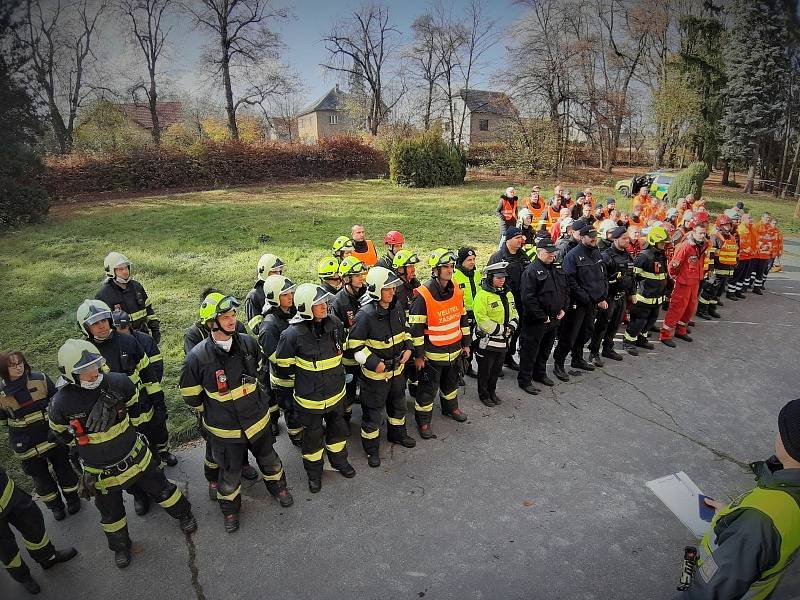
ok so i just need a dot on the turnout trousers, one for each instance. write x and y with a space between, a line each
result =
323 432
535 344
381 398
441 377
682 307
230 458
47 486
23 514
643 317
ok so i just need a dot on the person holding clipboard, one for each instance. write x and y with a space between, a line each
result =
753 540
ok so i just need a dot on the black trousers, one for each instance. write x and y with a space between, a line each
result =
380 398
607 324
23 514
535 344
740 275
230 458
156 429
441 377
351 387
576 329
643 317
285 401
760 269
323 432
152 482
490 365
47 486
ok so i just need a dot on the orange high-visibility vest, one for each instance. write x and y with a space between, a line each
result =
444 317
727 250
747 242
368 257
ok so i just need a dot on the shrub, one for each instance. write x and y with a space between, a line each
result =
688 181
427 161
210 164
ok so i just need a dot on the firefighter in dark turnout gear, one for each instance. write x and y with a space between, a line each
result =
440 335
17 508
381 344
544 293
122 323
394 241
90 411
345 305
309 353
405 266
496 320
650 271
268 264
193 336
279 292
588 290
121 292
24 396
123 354
219 378
619 269
725 251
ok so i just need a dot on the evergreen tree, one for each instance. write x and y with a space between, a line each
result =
757 70
22 197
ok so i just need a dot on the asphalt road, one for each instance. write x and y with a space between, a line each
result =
542 497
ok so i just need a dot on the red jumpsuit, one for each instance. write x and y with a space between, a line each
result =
686 269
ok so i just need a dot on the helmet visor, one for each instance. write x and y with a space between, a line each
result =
96 315
228 303
322 297
89 361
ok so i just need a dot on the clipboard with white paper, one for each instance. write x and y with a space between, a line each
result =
682 497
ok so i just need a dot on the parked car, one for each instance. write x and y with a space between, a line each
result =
657 181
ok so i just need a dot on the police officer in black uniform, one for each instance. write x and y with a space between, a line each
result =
17 508
91 412
621 284
544 293
588 287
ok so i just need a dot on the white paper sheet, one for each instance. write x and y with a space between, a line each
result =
680 495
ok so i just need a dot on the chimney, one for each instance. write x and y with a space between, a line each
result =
337 88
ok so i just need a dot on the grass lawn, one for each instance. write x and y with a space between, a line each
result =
180 244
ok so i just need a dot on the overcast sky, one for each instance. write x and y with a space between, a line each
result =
305 51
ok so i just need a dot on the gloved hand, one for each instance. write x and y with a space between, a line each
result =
87 486
155 331
104 412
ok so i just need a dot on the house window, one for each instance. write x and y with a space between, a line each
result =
483 125
333 119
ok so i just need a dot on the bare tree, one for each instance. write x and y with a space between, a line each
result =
361 46
451 35
244 42
58 43
427 60
284 113
146 20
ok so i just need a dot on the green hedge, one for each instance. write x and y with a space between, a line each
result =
427 161
688 181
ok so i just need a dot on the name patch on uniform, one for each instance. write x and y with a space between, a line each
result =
708 568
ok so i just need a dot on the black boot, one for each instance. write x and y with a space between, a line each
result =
141 504
702 312
612 354
595 359
495 398
740 294
684 336
512 364
630 348
168 458
232 523
713 312
314 485
346 470
425 432
283 497
530 389
30 585
641 342
122 558
560 372
580 363
455 414
732 296
188 523
486 402
374 460
60 556
58 512
669 342
73 504
404 440
544 380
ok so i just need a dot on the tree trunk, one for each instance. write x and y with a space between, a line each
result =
428 106
226 83
751 176
726 171
153 98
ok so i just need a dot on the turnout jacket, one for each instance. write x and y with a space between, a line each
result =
198 332
382 334
406 293
133 300
544 293
71 406
495 312
309 359
418 322
650 271
269 333
254 306
619 270
345 307
23 409
224 388
586 275
124 354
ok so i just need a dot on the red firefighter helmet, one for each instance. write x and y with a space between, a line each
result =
394 238
724 220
